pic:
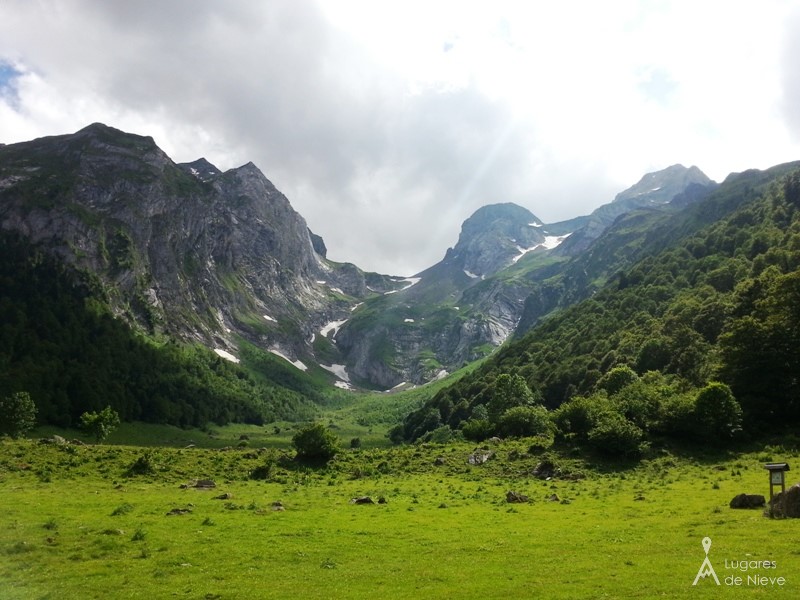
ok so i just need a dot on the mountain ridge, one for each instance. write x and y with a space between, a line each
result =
191 252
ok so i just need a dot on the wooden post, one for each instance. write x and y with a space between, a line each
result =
776 477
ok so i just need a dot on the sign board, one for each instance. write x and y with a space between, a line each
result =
777 477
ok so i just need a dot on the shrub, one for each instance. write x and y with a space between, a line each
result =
17 414
100 425
509 391
315 443
540 443
581 414
616 379
525 421
676 416
441 435
717 413
145 464
355 443
614 435
477 430
397 434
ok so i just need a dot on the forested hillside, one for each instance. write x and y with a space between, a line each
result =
717 301
60 343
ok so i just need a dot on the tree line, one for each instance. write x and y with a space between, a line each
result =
718 307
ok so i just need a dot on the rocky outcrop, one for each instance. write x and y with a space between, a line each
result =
786 504
452 313
185 250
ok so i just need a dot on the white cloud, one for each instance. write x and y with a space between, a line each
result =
387 124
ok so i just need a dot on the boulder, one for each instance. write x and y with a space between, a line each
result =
439 461
786 504
747 501
362 500
554 498
278 506
513 497
479 457
179 511
225 496
546 470
205 484
56 439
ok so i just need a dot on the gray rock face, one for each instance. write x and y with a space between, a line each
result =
180 249
653 189
493 236
454 313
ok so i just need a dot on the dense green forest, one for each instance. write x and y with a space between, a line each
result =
698 339
59 342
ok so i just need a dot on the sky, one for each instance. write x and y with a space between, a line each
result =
387 124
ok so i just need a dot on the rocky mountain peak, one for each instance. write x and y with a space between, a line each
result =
202 169
653 190
662 186
493 236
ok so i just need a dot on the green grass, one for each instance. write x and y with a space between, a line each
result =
76 526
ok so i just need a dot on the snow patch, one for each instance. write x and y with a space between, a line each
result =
321 282
412 281
535 224
295 363
339 370
408 320
550 242
226 355
655 189
313 337
268 318
343 385
356 306
194 171
470 274
333 326
441 375
337 290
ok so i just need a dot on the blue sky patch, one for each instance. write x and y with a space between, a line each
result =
8 86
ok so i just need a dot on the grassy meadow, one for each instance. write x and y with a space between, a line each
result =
96 521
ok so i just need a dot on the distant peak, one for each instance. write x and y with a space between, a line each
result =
665 184
503 210
97 127
201 168
108 134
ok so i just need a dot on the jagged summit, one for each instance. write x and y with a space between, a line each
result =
662 186
493 236
202 169
183 250
652 190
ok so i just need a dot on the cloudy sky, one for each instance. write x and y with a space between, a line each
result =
388 123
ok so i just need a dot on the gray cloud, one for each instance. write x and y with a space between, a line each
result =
386 176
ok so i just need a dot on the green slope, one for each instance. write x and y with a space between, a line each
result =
716 300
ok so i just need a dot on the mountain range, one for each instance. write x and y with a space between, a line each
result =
195 254
189 253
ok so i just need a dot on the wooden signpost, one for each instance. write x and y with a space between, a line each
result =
776 477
